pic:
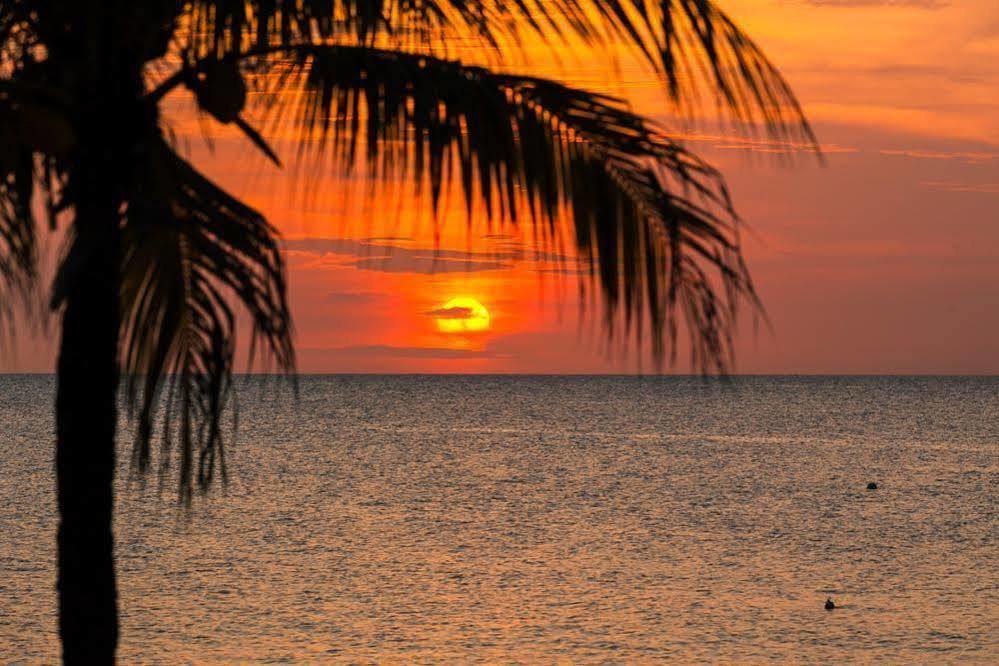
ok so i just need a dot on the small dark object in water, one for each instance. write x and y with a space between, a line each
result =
829 604
872 486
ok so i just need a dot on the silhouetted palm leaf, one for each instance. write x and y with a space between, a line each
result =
32 133
189 249
692 44
651 217
18 251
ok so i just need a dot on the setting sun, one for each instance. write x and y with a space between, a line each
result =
462 315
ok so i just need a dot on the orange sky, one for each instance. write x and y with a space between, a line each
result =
886 260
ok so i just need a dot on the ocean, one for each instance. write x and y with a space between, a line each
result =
462 519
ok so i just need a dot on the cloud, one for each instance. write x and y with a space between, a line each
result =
450 313
752 145
970 157
427 265
387 256
949 186
564 270
390 351
343 246
353 298
921 4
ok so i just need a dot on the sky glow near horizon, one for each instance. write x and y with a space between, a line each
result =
884 260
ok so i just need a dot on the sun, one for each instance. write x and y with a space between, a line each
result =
462 315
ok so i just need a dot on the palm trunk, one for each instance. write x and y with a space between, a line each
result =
86 414
87 394
111 112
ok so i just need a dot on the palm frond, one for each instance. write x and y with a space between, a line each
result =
189 251
703 52
18 243
31 134
651 217
693 45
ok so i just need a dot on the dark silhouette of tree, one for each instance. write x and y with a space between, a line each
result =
158 256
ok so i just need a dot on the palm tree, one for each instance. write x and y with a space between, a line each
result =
158 257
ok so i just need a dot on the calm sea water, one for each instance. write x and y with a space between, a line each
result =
575 519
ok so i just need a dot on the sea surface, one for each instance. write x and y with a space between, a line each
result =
545 519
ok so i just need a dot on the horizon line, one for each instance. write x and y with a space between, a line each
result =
734 375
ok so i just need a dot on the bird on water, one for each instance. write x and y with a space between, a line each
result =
829 604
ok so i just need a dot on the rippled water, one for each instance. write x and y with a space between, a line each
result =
571 519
